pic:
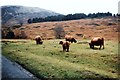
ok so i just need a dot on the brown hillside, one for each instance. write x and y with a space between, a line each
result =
83 28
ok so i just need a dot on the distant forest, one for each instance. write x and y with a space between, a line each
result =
69 17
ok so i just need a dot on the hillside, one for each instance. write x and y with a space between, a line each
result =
83 28
12 15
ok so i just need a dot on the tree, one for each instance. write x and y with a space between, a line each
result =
3 33
69 17
114 15
59 32
29 21
10 34
22 35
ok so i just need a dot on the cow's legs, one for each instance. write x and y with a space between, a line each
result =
37 42
103 46
67 49
100 46
64 49
92 46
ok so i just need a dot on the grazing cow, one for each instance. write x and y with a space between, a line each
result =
70 39
38 40
65 45
98 41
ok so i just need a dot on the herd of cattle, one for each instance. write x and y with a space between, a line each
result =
96 41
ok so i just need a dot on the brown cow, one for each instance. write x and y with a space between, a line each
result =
65 45
98 41
38 40
70 39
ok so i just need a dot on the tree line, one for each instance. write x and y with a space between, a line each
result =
69 17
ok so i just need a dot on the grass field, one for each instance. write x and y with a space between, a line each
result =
48 60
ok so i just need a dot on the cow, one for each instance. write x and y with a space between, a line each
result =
97 41
38 40
70 38
65 45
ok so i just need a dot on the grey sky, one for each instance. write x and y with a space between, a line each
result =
68 6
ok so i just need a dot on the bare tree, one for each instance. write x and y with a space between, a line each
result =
22 35
59 32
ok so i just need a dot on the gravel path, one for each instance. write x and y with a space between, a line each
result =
11 70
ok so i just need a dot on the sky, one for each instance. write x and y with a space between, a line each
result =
68 6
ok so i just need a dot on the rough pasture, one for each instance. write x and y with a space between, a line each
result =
49 61
83 28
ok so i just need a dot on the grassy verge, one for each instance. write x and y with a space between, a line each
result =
48 60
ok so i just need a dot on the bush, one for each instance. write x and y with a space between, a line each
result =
10 35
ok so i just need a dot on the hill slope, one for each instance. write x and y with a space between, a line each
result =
12 15
83 28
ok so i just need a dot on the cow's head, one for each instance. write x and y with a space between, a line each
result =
61 42
91 46
41 42
73 40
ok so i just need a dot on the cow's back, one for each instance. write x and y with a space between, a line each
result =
68 37
97 41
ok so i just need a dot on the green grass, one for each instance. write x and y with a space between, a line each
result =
49 61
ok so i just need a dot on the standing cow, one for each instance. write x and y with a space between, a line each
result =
65 45
97 41
70 39
38 40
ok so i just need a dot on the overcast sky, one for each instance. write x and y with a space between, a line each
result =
68 6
